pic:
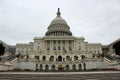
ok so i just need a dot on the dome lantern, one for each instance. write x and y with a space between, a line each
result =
58 13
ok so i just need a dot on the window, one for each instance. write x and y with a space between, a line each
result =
53 67
70 48
19 52
75 57
51 58
67 67
36 57
95 52
46 67
48 49
68 58
80 67
54 48
41 67
74 67
82 57
26 51
98 51
38 47
44 58
58 47
79 47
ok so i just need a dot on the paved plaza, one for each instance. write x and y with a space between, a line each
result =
112 75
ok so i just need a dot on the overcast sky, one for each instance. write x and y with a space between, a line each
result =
95 20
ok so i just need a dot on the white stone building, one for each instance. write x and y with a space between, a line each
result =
59 50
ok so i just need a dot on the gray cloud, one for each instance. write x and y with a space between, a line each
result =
96 20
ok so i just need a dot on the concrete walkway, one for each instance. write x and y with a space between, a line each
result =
101 75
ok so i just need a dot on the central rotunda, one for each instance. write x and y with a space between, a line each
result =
58 27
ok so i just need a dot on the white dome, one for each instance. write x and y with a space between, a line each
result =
58 27
58 20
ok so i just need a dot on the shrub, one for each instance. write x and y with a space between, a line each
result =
17 69
27 69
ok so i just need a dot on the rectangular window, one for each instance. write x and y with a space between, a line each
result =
79 47
38 47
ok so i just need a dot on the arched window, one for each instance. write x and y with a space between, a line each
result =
46 67
67 58
44 58
80 67
58 47
82 57
59 58
53 67
51 58
74 67
75 57
37 57
84 64
67 67
41 67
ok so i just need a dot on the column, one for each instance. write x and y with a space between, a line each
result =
56 44
68 44
61 45
46 44
52 45
72 44
65 45
55 33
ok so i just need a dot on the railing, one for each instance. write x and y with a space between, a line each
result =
108 57
110 62
107 60
14 61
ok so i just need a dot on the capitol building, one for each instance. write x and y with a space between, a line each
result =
59 50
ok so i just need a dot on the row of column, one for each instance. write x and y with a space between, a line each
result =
59 44
58 34
61 67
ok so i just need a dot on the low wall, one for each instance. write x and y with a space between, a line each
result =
5 67
26 65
